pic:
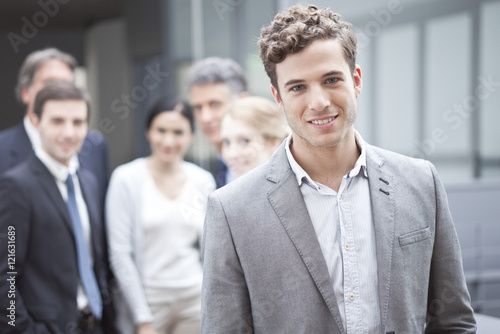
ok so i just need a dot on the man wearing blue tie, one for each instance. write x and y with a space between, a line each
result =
50 210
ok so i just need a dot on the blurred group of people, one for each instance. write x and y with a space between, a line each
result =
312 230
141 231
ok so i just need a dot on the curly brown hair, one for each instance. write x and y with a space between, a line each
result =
293 30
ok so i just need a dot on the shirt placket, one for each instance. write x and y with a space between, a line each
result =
350 265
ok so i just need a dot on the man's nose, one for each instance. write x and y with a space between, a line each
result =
319 99
206 114
68 129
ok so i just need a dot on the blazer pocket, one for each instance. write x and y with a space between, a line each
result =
415 236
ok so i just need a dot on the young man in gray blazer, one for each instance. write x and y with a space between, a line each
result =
332 235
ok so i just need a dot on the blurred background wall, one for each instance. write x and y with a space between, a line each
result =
431 75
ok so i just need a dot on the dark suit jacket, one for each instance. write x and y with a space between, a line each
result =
220 174
15 147
45 252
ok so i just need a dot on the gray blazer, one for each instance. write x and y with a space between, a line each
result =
264 271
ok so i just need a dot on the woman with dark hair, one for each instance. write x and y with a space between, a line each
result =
155 209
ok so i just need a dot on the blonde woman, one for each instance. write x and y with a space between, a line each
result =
251 131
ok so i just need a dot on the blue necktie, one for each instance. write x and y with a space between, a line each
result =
87 276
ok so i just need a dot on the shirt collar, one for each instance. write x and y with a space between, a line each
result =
32 132
300 173
57 169
361 162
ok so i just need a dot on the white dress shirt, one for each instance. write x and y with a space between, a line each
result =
344 227
60 173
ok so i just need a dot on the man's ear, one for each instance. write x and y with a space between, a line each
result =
358 83
277 97
25 94
34 119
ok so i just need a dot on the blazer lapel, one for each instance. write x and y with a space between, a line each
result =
88 196
288 203
48 183
383 210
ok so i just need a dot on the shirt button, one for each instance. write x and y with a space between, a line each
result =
340 198
351 296
346 246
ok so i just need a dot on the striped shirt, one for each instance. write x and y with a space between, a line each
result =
344 227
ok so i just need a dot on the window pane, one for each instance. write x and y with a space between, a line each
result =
489 93
397 81
447 135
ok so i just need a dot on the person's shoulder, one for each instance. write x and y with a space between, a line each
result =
257 183
132 166
248 185
21 173
131 169
198 174
391 156
94 142
191 167
6 135
9 131
96 138
398 163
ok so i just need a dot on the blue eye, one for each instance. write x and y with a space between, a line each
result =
298 87
331 80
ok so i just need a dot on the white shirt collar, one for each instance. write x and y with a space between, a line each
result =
301 174
361 162
32 132
56 168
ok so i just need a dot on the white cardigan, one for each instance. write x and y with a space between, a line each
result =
125 234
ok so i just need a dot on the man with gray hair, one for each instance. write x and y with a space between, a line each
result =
17 142
214 83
